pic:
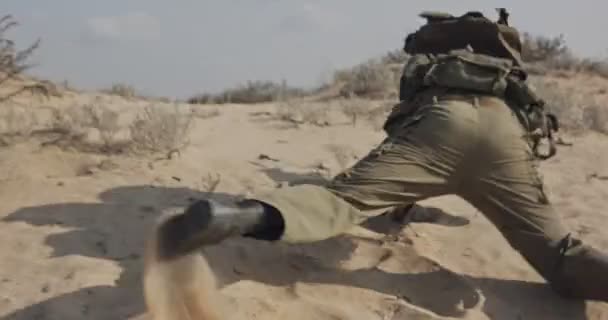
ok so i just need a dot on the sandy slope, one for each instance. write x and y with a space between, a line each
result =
70 238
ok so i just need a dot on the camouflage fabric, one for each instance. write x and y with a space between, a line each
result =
469 145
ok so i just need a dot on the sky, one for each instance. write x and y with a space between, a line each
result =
183 47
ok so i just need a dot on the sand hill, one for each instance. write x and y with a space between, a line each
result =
84 174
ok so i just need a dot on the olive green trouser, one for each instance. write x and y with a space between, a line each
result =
471 147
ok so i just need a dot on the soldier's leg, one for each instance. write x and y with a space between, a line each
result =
388 176
509 191
523 214
416 162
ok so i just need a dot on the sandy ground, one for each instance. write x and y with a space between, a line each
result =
72 227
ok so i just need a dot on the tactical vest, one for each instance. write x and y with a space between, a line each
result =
473 54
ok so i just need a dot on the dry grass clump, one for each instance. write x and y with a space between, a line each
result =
397 56
541 48
377 115
577 111
158 129
15 123
548 54
301 112
323 114
88 128
373 79
251 92
97 128
205 113
209 183
372 112
356 109
122 90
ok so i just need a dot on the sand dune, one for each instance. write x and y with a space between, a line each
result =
73 227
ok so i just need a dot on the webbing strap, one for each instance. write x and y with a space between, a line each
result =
552 125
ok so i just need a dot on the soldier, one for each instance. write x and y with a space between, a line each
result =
467 124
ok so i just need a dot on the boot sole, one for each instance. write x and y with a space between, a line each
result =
185 233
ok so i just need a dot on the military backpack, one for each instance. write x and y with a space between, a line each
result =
474 54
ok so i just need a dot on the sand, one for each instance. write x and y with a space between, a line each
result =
73 225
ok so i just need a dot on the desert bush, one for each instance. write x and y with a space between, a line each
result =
397 56
378 113
595 117
157 129
300 112
96 128
203 98
13 61
355 109
105 122
576 111
594 66
251 92
373 79
16 123
545 54
122 90
541 48
90 128
209 183
205 113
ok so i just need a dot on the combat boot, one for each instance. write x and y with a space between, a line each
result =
208 222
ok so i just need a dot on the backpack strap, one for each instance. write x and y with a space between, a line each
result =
541 125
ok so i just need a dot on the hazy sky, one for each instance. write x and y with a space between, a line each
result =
181 47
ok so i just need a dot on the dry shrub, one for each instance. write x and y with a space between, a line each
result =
373 79
300 112
548 54
377 115
209 183
105 122
157 129
577 111
204 113
16 121
205 98
373 112
16 124
89 128
251 92
541 48
13 62
397 56
595 117
96 128
355 109
122 90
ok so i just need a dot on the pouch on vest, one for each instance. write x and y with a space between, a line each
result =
412 78
461 69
